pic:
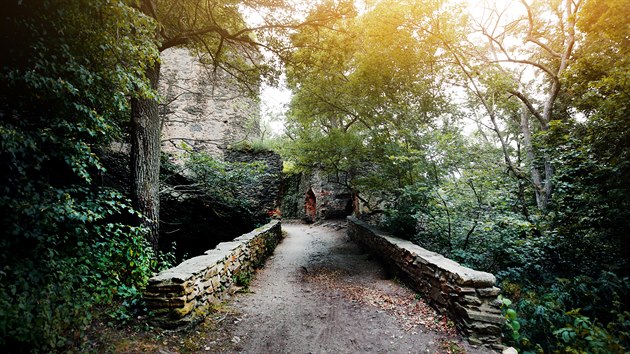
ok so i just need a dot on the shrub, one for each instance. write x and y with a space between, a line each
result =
65 242
581 314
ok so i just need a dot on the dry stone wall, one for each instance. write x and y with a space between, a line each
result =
183 295
467 295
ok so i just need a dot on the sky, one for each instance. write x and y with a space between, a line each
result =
273 104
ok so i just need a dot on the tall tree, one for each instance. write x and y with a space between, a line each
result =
363 88
513 58
529 52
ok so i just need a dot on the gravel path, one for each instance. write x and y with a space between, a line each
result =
320 293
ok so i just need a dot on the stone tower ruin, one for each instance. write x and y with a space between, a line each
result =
202 109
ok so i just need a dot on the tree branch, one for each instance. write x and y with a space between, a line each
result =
530 107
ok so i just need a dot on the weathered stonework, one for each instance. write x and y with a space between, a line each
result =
323 197
265 194
183 295
467 295
203 108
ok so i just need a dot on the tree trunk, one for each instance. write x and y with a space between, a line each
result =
145 159
542 187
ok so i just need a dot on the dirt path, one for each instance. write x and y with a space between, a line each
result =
320 293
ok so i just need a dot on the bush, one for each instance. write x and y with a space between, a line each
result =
76 258
581 314
65 242
223 181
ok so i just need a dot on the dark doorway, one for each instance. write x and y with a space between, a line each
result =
310 206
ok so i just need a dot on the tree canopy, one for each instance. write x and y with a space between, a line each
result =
496 136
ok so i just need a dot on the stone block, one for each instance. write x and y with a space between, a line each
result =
211 272
159 312
485 328
489 292
447 288
469 277
155 295
193 295
496 303
460 310
205 285
485 317
414 272
429 271
436 295
183 310
169 278
471 300
474 341
419 261
490 308
234 265
464 290
166 303
488 340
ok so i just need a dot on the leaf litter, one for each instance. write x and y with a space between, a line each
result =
409 309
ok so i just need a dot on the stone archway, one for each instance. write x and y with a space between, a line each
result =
310 206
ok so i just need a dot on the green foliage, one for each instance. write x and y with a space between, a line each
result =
345 115
223 181
512 325
132 304
370 102
65 245
218 35
243 278
291 197
561 315
588 218
586 335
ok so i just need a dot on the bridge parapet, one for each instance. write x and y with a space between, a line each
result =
469 296
183 295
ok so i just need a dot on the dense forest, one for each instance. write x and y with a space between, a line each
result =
495 133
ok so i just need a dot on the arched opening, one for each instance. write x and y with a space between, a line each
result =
310 206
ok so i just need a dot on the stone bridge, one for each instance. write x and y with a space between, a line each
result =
185 294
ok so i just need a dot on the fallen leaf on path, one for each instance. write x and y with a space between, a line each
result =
401 302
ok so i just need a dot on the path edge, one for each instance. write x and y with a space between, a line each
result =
185 294
469 297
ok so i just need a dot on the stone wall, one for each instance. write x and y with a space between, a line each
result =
467 295
264 195
201 107
292 200
184 294
332 199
